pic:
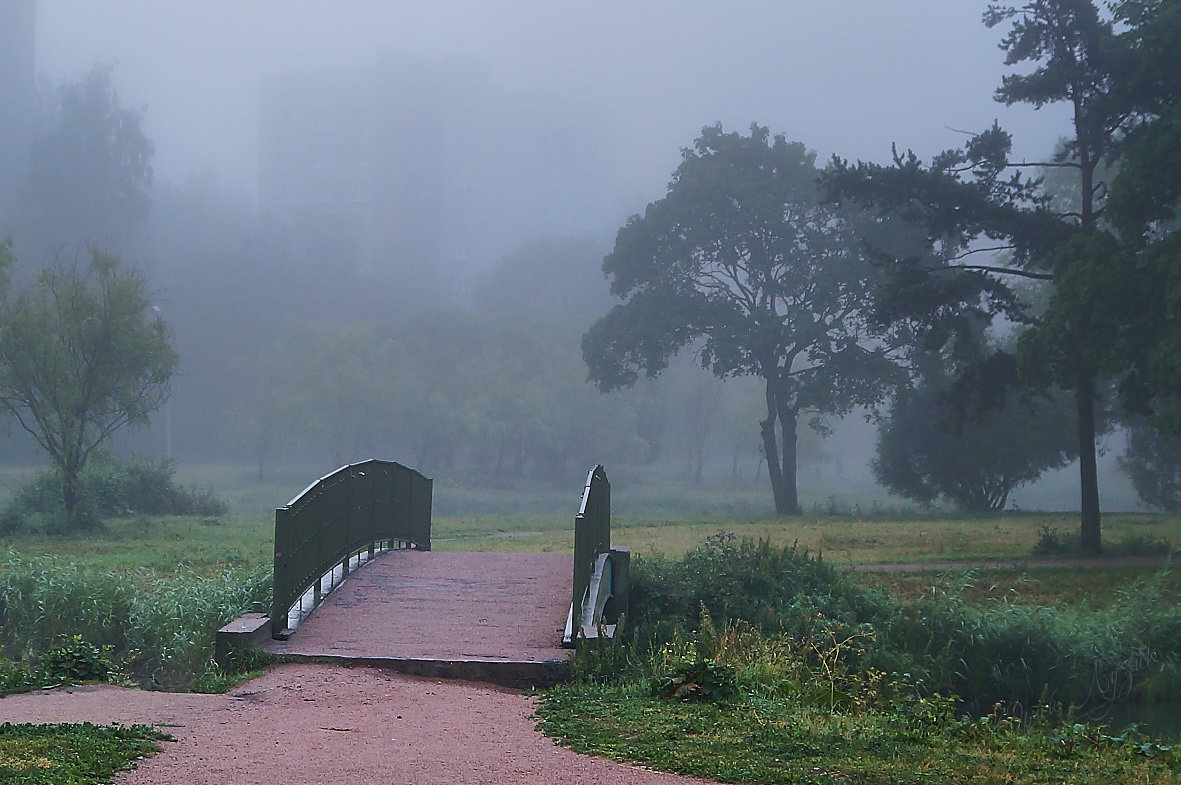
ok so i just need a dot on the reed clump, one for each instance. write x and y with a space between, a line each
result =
158 629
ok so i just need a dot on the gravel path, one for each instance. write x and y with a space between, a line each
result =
307 724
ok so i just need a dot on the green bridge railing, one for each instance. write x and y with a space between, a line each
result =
602 574
338 523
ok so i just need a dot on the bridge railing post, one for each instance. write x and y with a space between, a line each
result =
600 585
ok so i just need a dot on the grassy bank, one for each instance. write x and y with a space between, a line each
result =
757 739
745 662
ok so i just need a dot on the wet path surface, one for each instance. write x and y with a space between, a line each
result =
435 606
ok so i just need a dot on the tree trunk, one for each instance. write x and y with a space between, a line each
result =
71 498
781 465
1090 521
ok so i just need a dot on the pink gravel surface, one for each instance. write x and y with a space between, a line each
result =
310 724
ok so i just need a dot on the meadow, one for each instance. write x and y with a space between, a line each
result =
138 601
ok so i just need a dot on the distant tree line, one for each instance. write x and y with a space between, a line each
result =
811 290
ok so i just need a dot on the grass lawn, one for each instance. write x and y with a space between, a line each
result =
763 740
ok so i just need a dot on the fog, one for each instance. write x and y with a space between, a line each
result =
383 203
845 77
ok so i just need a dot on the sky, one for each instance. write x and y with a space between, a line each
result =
846 77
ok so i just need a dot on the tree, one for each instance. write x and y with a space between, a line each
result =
926 451
1152 461
1143 207
741 255
975 199
90 171
82 354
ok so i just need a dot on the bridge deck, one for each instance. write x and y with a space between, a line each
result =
490 616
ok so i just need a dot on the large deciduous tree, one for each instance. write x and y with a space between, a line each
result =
82 354
741 259
976 199
1152 461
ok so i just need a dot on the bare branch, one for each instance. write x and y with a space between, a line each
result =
983 250
998 270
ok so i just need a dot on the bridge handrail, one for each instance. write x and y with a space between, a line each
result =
368 506
601 573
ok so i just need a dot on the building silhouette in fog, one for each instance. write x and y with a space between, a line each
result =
422 172
18 32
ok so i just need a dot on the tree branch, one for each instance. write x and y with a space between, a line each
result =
988 268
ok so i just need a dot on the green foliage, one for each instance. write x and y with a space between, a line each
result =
805 699
82 754
82 354
923 453
158 630
1016 653
1050 543
1153 463
781 589
1110 312
109 487
73 661
742 258
697 679
759 739
838 633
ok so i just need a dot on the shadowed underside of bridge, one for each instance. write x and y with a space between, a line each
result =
494 617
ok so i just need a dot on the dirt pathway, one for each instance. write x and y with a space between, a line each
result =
319 725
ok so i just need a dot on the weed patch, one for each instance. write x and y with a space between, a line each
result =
79 754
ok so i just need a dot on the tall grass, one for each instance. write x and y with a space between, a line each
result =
1030 654
1022 655
160 629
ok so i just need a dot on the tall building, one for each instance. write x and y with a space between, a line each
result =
432 172
18 31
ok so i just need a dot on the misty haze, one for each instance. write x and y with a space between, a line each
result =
380 232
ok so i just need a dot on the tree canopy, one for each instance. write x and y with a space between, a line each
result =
742 260
927 448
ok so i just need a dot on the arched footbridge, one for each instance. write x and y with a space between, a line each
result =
356 581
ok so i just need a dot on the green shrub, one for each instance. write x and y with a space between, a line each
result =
779 589
1017 654
109 486
73 661
697 679
819 633
1050 543
13 677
